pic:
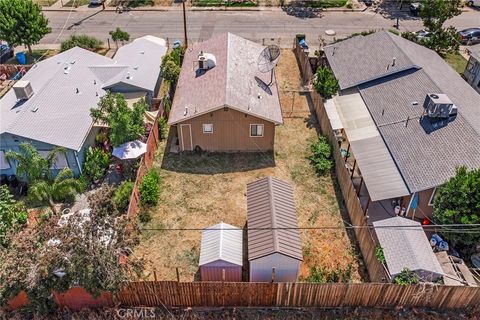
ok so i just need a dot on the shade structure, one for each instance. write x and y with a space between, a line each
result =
130 150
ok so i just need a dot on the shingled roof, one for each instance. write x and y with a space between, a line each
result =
395 91
234 82
271 206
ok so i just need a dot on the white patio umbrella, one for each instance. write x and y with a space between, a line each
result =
130 150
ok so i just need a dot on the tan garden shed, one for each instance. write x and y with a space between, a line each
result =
274 247
221 253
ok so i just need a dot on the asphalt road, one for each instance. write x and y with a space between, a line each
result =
254 25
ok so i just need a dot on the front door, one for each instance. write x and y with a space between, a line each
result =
186 137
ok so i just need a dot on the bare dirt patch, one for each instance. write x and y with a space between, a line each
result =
202 190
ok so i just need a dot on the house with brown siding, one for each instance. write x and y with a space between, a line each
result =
223 102
405 121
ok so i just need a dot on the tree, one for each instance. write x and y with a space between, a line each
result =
458 202
325 83
434 13
170 71
31 165
126 124
22 23
12 213
85 250
119 35
62 188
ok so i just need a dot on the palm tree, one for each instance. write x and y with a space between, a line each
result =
63 187
31 166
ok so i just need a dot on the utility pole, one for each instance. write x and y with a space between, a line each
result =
185 23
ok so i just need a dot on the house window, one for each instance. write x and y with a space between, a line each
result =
60 161
432 198
256 130
470 65
207 128
4 164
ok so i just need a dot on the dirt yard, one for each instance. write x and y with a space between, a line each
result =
202 190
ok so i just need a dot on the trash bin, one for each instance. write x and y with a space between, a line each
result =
21 57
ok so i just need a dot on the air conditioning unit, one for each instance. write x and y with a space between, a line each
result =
23 90
206 61
438 105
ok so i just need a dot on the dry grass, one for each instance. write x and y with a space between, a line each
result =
216 192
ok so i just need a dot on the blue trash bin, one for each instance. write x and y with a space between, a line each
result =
21 57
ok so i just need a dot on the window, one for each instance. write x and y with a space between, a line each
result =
207 128
60 161
432 198
256 130
4 164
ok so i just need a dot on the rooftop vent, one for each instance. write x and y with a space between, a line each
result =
23 90
206 61
439 106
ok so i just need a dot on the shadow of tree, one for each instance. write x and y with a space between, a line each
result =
212 162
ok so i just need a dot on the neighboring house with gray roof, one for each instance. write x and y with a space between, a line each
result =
385 81
222 101
60 92
274 245
472 70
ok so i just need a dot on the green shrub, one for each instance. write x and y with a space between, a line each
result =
349 6
12 213
320 275
150 188
407 277
379 254
321 155
325 82
82 41
96 163
122 195
162 128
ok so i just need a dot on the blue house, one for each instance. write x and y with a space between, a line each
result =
50 106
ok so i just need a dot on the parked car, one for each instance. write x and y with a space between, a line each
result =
415 8
96 2
6 52
423 34
470 36
473 3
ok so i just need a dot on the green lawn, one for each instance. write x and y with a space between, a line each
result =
221 3
44 3
324 3
456 61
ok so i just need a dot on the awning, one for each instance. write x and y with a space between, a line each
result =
379 171
130 150
332 115
405 245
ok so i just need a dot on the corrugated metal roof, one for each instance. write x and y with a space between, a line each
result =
270 204
474 51
234 81
381 175
405 245
221 242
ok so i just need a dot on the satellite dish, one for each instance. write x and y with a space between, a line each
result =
268 58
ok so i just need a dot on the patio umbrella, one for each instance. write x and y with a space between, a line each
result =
130 150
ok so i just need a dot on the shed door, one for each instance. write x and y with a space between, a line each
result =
186 137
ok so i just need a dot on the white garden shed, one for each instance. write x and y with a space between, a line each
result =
221 253
274 254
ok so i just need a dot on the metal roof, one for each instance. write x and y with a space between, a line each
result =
234 82
405 245
425 158
270 204
381 175
474 51
59 115
221 242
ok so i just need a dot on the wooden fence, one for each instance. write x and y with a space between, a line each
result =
303 63
365 237
145 164
245 294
